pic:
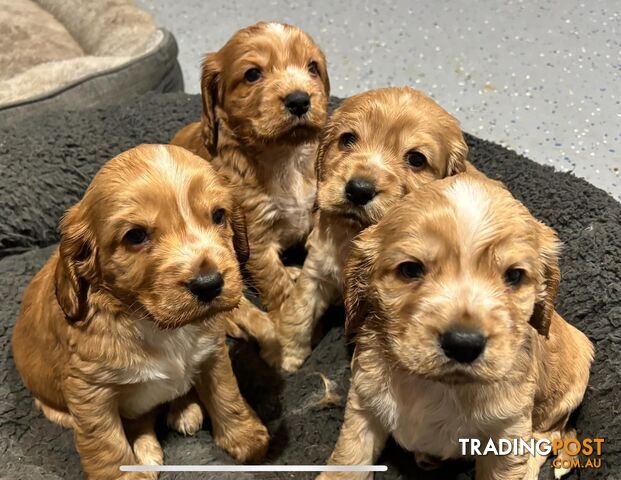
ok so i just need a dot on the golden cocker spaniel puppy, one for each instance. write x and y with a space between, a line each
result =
129 312
265 97
378 146
451 300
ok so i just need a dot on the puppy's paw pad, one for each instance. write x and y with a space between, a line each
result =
186 421
247 444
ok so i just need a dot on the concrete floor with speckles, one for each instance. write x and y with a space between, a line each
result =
542 78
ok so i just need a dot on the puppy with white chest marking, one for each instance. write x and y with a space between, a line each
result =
265 97
451 300
129 313
377 147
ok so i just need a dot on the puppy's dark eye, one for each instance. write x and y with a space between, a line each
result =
514 276
416 159
313 69
411 270
347 140
252 75
218 216
136 236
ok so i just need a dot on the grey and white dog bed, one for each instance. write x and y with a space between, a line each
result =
73 54
46 164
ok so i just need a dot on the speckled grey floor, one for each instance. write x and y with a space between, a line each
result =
542 78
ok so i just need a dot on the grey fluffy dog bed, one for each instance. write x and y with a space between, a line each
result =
47 162
73 54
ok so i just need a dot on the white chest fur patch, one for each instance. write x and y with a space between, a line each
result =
331 245
172 362
291 192
431 417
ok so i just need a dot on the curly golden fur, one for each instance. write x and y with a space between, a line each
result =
110 328
459 255
378 137
264 149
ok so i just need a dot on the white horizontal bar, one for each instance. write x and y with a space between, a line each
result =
253 468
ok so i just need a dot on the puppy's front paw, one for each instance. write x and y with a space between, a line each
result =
148 450
246 442
186 419
292 359
292 364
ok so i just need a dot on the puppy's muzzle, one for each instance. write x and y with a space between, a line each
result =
360 191
206 286
298 102
462 345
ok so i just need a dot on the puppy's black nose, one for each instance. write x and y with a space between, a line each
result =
462 344
206 286
360 191
297 102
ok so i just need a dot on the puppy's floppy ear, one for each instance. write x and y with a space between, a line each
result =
356 282
457 156
209 92
240 235
76 265
544 306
